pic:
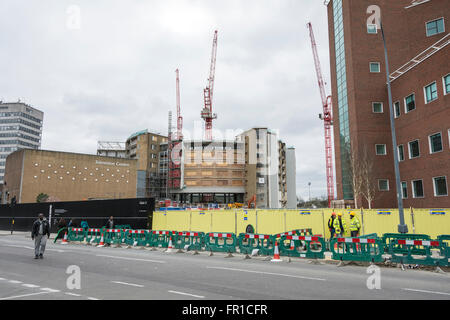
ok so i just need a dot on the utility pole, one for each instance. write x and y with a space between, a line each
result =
402 227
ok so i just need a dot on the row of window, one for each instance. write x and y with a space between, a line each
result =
19 114
440 188
432 27
21 121
430 94
435 143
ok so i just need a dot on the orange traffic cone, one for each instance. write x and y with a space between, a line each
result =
292 245
170 248
102 243
276 254
64 241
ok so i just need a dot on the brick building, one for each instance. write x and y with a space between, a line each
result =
417 42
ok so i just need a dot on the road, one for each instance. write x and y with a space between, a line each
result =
120 273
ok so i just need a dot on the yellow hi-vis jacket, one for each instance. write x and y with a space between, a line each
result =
337 225
355 225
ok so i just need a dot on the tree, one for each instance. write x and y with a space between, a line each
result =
355 173
368 185
42 197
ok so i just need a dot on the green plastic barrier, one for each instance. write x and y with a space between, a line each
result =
357 249
393 237
311 247
76 234
135 237
410 257
369 236
114 236
123 226
189 240
445 239
60 234
263 242
94 235
297 232
161 239
220 242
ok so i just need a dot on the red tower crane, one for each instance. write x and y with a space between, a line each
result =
179 117
327 119
206 112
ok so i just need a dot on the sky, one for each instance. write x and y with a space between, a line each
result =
104 69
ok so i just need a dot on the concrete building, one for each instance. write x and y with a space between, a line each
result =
145 147
211 172
417 43
68 176
291 181
111 149
20 128
265 168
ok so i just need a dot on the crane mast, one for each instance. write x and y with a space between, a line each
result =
206 112
326 117
179 117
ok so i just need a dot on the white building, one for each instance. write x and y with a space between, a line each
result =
20 128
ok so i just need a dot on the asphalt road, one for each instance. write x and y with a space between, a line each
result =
120 273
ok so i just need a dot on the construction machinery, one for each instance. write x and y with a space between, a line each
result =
327 118
206 112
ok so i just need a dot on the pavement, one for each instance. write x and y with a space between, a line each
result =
142 274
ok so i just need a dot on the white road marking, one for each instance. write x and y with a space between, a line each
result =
1 279
426 291
50 290
15 281
128 284
268 273
15 246
90 298
73 294
24 295
133 259
30 285
186 294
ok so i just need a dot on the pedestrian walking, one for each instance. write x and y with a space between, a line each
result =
40 233
331 224
355 225
110 223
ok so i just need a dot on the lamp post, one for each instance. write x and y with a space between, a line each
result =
402 227
309 186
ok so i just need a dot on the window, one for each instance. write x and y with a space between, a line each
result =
397 109
435 27
410 103
404 190
401 153
380 149
435 143
374 67
414 150
440 186
417 186
383 185
372 29
377 107
446 84
430 92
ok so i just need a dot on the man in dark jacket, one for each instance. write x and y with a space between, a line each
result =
110 223
40 230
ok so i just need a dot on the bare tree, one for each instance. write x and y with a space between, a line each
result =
368 184
356 175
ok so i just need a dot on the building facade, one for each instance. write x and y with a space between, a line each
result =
66 176
20 128
145 147
111 149
417 41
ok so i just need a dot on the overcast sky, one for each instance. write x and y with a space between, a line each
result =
111 72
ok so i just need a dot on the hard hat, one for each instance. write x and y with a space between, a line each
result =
352 213
340 214
333 214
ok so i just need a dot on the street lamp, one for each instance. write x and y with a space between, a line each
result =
402 227
309 186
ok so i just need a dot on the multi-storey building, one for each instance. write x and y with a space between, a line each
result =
418 48
111 149
145 146
20 128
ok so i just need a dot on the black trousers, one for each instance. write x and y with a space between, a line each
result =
354 234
